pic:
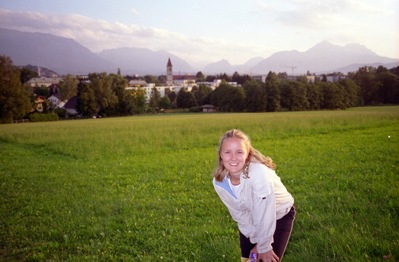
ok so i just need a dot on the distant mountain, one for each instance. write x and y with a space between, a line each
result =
41 71
223 66
66 56
247 67
355 67
323 57
62 55
144 61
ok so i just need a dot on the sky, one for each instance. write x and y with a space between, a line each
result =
206 31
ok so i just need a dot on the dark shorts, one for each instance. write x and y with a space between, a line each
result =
280 238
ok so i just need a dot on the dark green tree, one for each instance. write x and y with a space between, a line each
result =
255 97
236 99
151 79
87 104
125 100
200 76
351 92
139 100
172 97
185 99
332 95
228 98
14 97
102 87
41 91
164 102
365 79
162 79
273 97
154 99
313 95
388 84
68 87
201 93
27 74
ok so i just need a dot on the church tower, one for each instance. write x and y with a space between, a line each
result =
169 73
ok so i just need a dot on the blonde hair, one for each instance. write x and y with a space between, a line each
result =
254 155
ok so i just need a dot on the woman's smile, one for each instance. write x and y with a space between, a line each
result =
234 155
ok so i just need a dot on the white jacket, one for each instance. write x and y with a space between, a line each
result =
263 199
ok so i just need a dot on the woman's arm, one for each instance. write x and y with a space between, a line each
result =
264 208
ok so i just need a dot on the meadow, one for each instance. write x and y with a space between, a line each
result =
139 188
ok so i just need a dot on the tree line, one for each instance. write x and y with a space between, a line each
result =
106 94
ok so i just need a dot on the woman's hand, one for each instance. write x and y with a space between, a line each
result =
269 256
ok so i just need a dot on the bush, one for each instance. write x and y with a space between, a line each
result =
60 112
196 109
36 117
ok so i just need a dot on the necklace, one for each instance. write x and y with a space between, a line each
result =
234 182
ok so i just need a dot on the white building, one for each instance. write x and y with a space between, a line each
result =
44 81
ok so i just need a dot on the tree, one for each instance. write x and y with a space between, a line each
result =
172 97
201 93
164 102
218 97
255 97
162 79
87 104
41 91
125 100
272 77
365 79
151 79
351 92
236 99
185 99
332 95
388 84
273 98
68 88
139 100
27 74
200 76
228 98
297 96
102 87
154 99
14 97
313 95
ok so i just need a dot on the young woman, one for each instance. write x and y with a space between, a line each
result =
256 198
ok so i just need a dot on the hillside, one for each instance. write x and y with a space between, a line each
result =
66 56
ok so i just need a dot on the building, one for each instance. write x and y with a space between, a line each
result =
260 78
44 81
56 101
169 73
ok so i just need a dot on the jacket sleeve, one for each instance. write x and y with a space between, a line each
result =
264 208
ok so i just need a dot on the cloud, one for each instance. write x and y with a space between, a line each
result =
135 12
98 35
328 13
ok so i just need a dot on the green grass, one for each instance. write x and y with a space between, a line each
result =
139 188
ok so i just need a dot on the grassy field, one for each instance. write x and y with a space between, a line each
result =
139 188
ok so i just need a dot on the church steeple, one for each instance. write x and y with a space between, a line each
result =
169 73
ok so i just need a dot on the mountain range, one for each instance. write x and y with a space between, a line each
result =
66 56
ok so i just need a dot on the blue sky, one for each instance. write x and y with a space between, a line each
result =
210 30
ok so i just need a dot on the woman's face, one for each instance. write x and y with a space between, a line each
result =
233 154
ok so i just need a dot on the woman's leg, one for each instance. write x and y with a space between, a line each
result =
246 246
283 232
